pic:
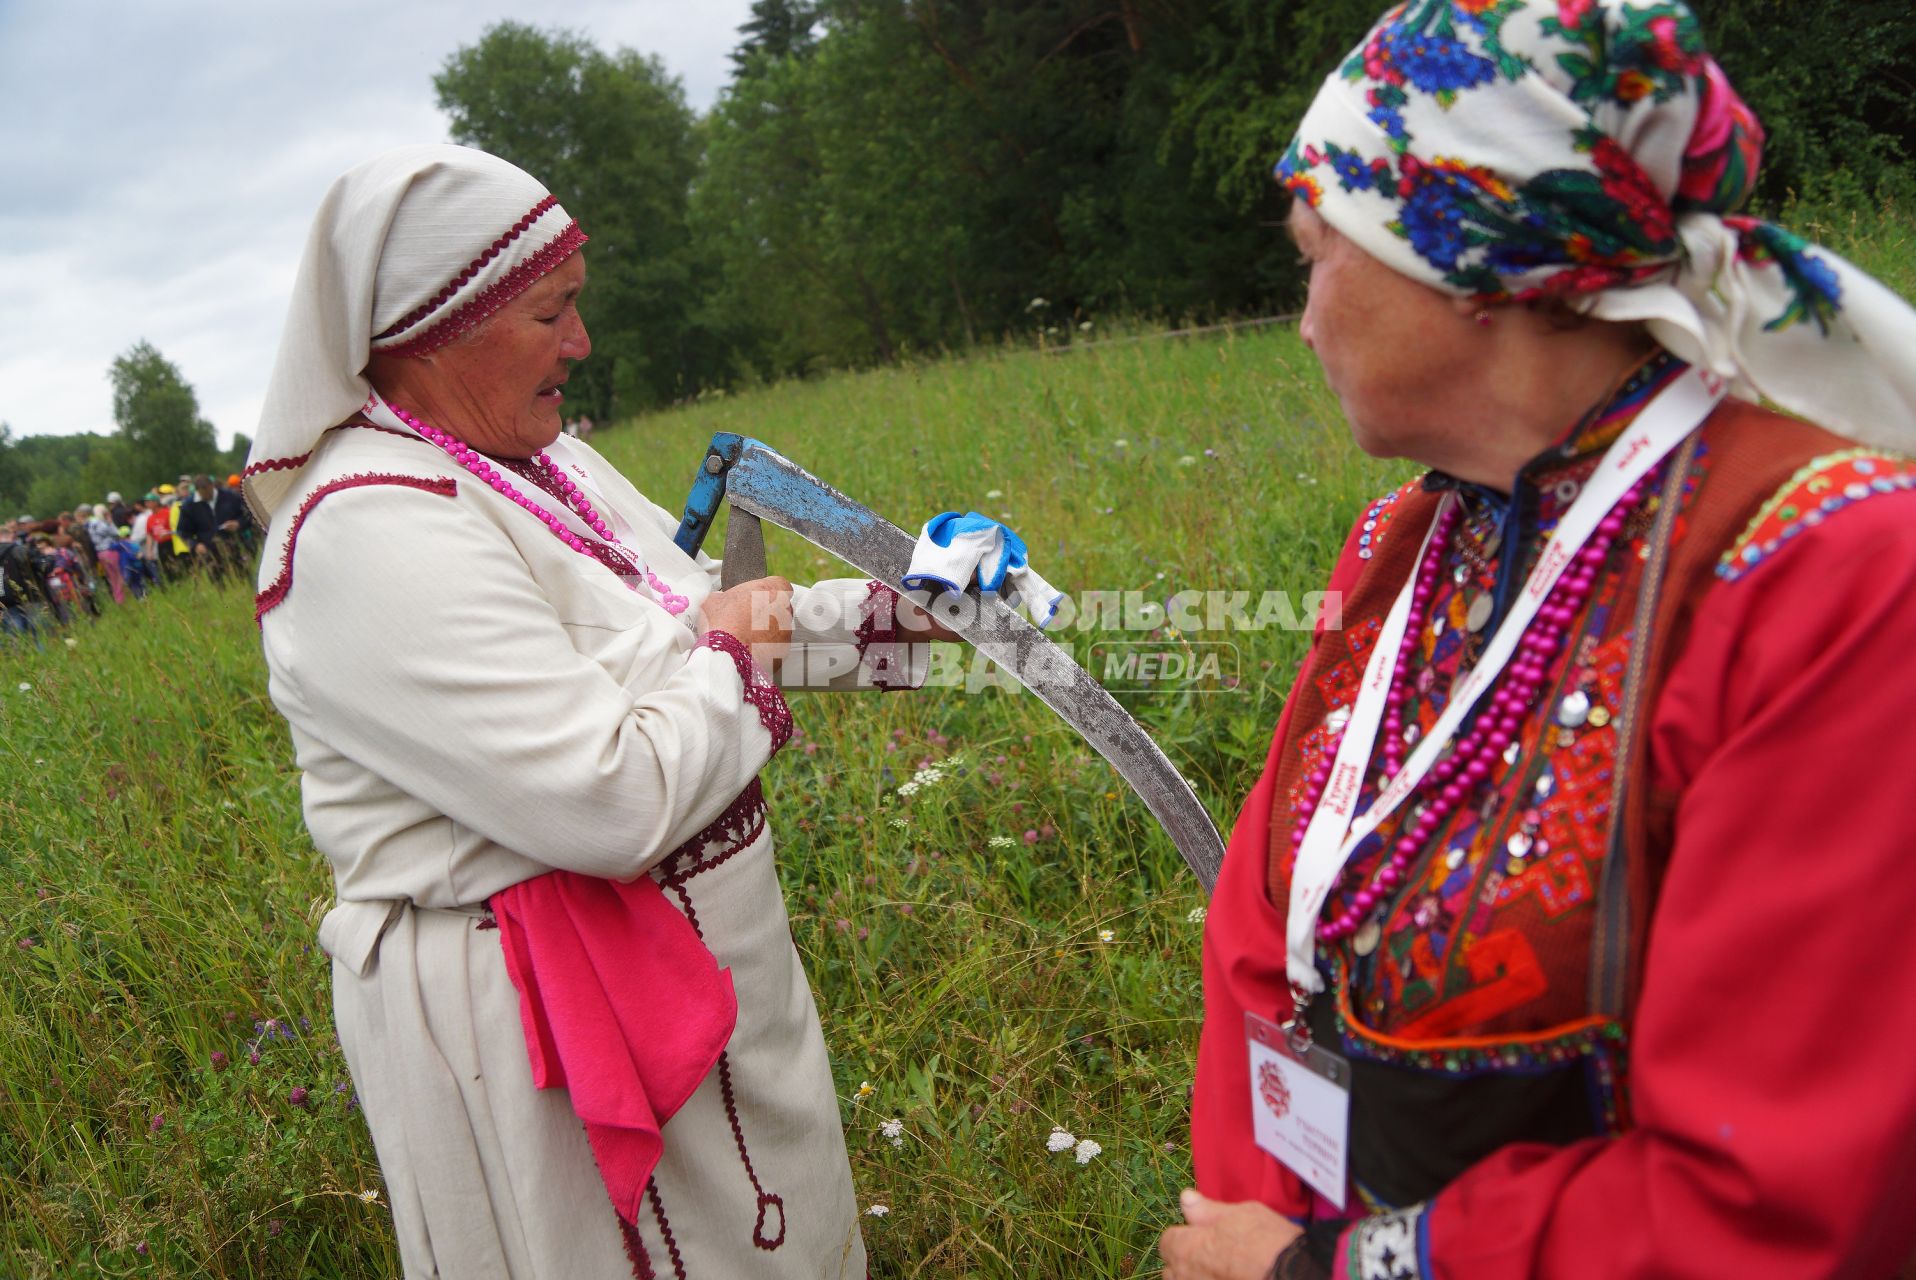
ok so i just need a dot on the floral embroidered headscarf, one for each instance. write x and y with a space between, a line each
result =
1509 150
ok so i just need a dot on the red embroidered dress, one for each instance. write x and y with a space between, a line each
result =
1601 1031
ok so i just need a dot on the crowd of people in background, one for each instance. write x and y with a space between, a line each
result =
53 569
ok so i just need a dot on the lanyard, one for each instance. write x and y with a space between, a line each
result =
1336 830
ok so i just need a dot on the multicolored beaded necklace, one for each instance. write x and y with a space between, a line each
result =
543 472
1472 759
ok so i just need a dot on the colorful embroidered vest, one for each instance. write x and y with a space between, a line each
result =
1493 1005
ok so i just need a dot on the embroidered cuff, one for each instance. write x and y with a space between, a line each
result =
1388 1246
759 691
886 660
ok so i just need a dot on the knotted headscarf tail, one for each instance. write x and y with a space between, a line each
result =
407 252
1509 150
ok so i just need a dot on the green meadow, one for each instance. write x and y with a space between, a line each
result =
1002 941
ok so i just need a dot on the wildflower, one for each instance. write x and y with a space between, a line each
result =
901 823
218 1060
1087 1151
1195 915
811 748
1187 460
273 1227
39 762
866 1088
1210 453
1107 935
994 493
1120 443
1060 1140
1001 842
157 1123
369 1196
1036 303
1031 836
893 1131
25 687
1084 326
252 1059
72 643
298 1096
140 1248
877 1210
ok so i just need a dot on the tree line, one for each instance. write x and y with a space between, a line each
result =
883 178
888 177
159 435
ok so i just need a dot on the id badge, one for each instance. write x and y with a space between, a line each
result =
1301 1107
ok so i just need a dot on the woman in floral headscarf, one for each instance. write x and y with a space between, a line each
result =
1562 934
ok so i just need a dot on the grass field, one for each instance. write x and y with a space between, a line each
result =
175 1104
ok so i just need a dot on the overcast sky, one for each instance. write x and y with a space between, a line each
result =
160 161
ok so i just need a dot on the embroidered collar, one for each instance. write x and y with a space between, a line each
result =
1514 525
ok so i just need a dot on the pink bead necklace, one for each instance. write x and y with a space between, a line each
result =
1471 760
557 481
477 463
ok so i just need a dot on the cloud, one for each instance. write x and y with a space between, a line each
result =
162 162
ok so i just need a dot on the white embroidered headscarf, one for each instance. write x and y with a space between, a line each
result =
407 252
1592 149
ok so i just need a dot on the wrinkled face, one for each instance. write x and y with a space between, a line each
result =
1393 350
499 390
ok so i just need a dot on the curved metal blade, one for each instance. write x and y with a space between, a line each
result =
764 483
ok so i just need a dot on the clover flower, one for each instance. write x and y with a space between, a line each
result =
1060 1140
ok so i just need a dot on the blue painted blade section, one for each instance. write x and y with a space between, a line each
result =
708 489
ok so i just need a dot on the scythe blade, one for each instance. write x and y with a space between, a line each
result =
760 482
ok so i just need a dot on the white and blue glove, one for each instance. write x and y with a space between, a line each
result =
954 549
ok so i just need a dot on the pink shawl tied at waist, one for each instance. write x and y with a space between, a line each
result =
623 1005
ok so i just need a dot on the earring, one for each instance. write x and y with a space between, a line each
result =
1482 317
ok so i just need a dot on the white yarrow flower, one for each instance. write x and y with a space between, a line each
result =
877 1210
25 687
1001 842
1195 915
893 1131
1087 1151
1120 443
901 823
1060 1140
1188 460
994 493
72 643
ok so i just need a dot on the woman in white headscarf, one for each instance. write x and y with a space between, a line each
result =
1562 935
530 731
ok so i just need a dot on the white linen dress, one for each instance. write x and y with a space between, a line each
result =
472 704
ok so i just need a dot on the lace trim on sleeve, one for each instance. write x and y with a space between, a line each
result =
1389 1246
886 659
760 692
